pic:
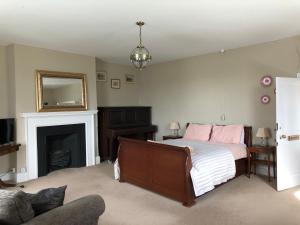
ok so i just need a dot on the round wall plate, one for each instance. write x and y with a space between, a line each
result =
265 99
266 81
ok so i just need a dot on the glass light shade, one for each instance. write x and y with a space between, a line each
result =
140 57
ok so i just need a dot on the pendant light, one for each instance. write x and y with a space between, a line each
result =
140 56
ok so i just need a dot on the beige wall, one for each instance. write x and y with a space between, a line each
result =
23 62
29 59
3 83
127 95
201 89
6 161
11 80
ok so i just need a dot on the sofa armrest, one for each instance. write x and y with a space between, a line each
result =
85 210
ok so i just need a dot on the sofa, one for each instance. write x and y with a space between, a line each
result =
83 211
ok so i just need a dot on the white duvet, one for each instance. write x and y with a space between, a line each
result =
213 164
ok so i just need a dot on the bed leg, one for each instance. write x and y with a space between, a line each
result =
189 203
121 180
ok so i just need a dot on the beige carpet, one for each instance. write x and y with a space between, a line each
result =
241 201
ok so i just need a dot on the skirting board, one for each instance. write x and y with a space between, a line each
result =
18 178
22 177
9 177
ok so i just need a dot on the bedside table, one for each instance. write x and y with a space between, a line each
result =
254 151
166 137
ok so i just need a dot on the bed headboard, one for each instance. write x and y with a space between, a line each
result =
248 134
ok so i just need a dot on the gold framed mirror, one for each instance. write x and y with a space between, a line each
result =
60 91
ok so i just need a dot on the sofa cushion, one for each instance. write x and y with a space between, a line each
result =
14 208
47 199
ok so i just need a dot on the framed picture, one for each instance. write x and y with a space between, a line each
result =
101 76
130 78
115 83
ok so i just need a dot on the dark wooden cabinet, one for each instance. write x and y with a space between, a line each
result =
130 122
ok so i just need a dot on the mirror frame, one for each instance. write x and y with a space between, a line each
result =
40 74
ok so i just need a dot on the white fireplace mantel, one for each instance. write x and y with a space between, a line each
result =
35 120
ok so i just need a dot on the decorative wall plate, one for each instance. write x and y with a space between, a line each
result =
266 81
265 99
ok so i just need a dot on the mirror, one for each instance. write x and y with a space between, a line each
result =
59 91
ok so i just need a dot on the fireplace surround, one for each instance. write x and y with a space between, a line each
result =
33 121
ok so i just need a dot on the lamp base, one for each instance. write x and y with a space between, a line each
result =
175 133
264 142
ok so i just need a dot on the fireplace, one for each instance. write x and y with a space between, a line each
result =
36 121
60 147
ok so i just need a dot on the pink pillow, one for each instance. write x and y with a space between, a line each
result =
230 134
198 132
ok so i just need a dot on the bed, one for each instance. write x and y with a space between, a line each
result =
164 168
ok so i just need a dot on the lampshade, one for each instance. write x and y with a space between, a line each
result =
174 126
263 132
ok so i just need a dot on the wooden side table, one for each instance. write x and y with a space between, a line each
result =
166 137
6 149
252 155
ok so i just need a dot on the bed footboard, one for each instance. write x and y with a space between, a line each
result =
154 166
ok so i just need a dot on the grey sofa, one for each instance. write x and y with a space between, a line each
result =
83 211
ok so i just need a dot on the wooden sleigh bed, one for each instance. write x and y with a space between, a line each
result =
164 169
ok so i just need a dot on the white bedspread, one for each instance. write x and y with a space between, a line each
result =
213 164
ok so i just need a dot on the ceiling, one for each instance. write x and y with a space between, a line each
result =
174 28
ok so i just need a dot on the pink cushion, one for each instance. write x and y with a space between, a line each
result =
230 134
198 132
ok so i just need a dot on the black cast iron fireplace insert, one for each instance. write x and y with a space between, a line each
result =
60 147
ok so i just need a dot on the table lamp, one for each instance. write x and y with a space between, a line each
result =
264 134
174 126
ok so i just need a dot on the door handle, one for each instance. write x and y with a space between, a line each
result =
290 137
293 137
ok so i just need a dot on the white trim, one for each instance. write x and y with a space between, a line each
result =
9 177
22 177
34 120
46 114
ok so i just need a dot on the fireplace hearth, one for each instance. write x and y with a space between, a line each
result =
60 147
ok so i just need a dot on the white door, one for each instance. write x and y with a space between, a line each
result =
288 131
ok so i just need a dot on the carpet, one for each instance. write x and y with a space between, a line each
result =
241 201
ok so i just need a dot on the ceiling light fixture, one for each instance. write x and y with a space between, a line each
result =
140 56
